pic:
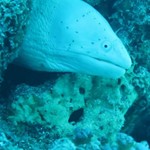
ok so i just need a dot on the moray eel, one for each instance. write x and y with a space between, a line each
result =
71 36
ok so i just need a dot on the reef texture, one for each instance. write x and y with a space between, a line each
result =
13 20
133 28
76 104
123 142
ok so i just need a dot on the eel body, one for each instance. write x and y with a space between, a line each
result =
71 36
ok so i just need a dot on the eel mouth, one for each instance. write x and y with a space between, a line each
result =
93 66
100 67
109 62
81 63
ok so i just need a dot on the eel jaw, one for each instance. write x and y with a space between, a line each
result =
87 65
123 67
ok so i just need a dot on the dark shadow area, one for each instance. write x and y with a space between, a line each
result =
106 8
76 115
141 132
16 75
137 123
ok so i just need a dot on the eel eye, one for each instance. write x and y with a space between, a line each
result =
106 46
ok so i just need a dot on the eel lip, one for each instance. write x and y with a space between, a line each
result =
123 67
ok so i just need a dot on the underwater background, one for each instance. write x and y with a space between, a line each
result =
67 111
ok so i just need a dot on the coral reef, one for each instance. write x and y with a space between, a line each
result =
91 104
13 20
123 142
62 144
137 116
133 28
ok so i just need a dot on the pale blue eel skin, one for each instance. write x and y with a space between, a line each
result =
71 36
